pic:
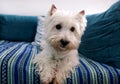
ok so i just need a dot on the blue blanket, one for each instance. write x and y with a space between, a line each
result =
16 67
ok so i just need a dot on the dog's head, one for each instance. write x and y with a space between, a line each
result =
63 30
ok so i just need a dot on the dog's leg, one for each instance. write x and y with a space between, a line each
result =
45 83
47 75
55 81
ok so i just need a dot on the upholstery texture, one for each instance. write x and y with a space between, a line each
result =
101 40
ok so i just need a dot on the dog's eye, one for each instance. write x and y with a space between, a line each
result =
72 29
58 26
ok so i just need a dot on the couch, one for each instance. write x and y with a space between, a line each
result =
99 51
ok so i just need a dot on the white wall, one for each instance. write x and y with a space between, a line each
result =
40 7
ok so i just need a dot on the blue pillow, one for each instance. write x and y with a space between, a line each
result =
101 40
17 28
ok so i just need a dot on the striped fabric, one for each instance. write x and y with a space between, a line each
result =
16 67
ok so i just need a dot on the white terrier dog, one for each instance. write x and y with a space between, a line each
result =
62 36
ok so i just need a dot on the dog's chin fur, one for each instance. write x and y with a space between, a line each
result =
55 62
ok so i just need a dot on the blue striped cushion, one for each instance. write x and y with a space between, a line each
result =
16 67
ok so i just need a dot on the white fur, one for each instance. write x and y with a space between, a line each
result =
55 62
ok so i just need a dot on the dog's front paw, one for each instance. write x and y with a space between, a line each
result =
55 81
47 80
45 83
47 74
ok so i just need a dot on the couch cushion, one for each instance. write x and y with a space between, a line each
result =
17 28
101 41
40 30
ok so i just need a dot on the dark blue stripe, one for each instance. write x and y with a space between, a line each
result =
29 49
110 74
36 78
80 75
5 64
16 68
69 80
88 73
99 73
118 75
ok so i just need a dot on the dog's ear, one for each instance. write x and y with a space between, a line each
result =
80 15
52 10
82 12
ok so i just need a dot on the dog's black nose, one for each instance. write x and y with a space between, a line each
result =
64 42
